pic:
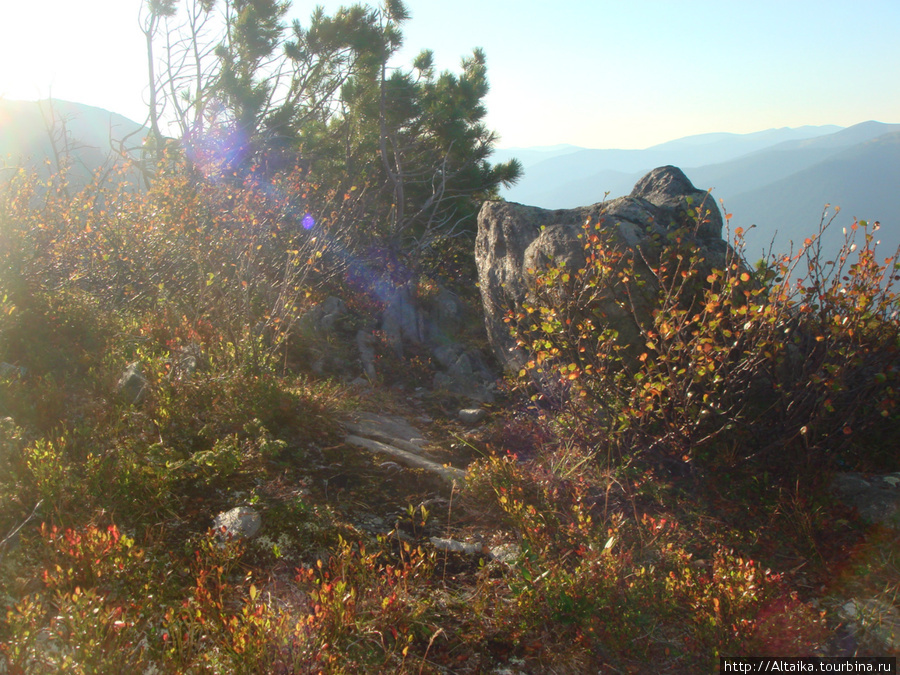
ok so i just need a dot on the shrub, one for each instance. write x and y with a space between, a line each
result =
775 364
61 333
84 619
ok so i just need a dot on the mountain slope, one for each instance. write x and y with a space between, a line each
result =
720 146
862 180
35 132
577 178
531 156
780 161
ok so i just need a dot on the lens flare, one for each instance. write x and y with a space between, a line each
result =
308 222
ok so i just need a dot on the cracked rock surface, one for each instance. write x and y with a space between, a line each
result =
394 436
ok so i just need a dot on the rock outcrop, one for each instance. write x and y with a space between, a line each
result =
435 327
876 498
393 436
513 239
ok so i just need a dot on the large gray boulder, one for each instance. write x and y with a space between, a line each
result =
515 240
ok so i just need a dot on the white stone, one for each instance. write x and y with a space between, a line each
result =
472 415
239 522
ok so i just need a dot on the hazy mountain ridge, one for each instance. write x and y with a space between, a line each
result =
778 180
531 156
90 136
564 181
727 146
861 180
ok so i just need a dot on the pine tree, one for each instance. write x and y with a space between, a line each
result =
328 96
428 136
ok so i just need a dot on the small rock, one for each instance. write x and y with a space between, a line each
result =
133 386
850 484
505 553
186 361
364 343
9 370
472 415
323 317
453 546
447 354
332 310
239 522
503 670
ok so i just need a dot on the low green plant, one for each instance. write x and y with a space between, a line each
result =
627 590
373 609
84 618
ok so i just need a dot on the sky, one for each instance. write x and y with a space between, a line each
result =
592 73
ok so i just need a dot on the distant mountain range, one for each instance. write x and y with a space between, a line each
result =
778 180
35 133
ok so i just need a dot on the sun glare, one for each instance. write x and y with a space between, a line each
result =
85 52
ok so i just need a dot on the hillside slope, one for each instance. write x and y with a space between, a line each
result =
862 180
582 177
37 132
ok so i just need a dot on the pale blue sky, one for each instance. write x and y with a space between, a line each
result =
604 74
